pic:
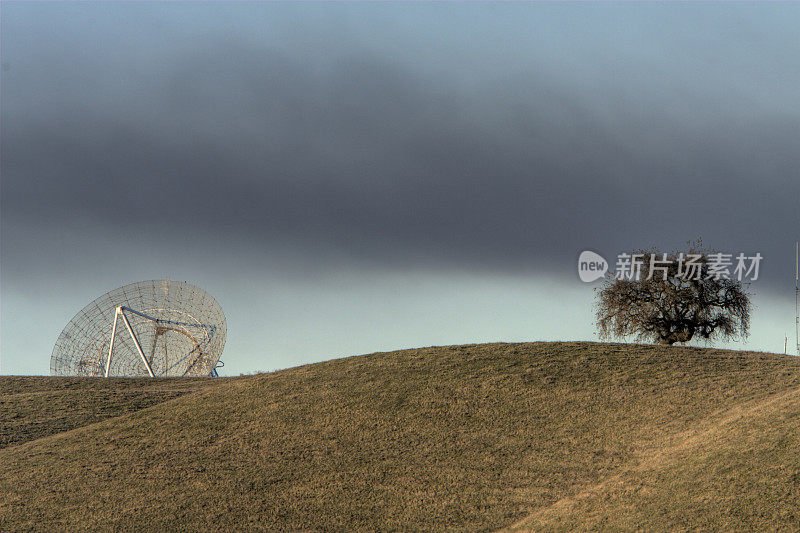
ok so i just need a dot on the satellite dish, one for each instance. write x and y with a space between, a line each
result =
151 328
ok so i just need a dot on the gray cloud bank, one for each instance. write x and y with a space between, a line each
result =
509 147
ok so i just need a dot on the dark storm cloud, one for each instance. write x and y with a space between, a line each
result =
229 141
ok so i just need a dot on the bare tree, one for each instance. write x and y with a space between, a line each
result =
675 298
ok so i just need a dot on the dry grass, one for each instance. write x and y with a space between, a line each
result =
739 471
32 407
544 435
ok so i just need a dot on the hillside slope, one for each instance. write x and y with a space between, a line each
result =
740 470
32 407
545 435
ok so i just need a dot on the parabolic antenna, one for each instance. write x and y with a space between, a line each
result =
150 328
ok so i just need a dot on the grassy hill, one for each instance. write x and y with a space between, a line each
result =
32 407
557 436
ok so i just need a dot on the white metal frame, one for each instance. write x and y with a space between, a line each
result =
117 313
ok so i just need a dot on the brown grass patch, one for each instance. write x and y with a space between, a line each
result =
464 437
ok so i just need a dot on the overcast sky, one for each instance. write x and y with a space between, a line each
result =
350 177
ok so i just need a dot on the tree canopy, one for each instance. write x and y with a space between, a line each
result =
669 298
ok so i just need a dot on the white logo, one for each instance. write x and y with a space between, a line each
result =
591 266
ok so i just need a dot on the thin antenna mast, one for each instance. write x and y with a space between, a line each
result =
797 295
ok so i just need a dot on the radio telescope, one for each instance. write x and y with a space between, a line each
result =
151 328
